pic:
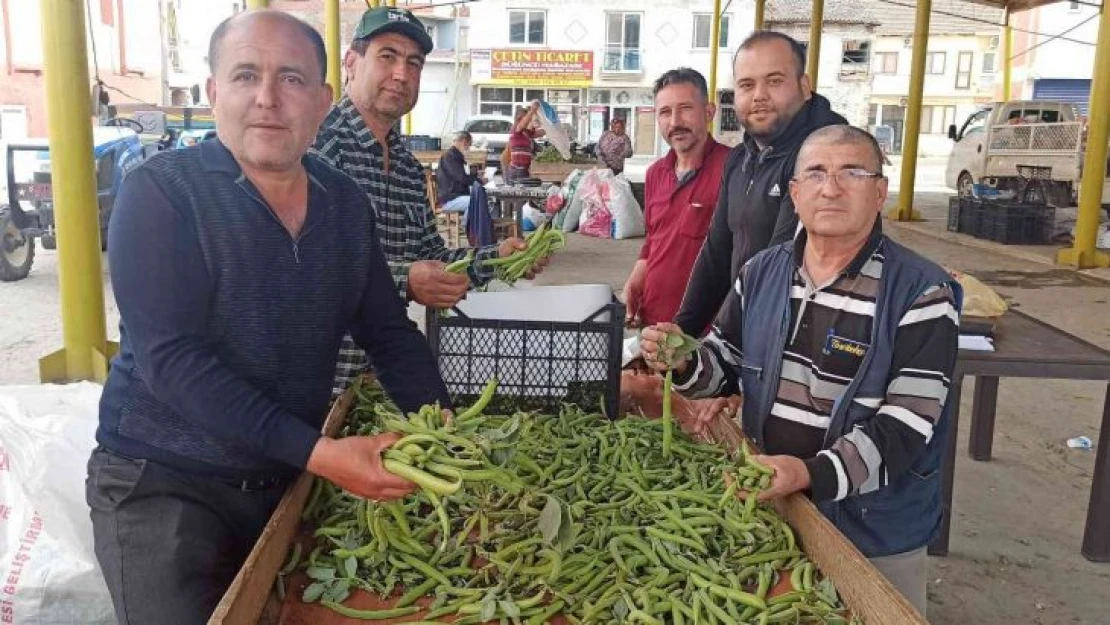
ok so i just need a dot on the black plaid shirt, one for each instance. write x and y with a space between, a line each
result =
406 224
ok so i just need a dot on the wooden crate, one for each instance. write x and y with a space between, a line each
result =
250 599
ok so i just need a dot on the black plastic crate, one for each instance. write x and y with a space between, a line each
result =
971 216
1017 223
539 364
954 214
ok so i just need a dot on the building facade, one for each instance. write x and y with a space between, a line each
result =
445 95
596 61
123 51
1055 69
961 67
843 75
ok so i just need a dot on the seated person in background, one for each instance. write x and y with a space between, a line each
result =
453 177
521 144
843 344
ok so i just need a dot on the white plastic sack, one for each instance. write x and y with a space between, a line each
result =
628 219
570 186
553 131
588 188
49 571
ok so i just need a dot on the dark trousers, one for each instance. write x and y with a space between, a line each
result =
169 543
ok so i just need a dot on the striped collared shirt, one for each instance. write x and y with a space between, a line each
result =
830 331
405 221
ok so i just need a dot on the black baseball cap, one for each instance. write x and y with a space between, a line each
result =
393 20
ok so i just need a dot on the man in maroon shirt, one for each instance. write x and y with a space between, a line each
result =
680 192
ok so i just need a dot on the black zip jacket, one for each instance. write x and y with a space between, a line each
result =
754 212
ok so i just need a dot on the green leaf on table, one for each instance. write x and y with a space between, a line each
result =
489 608
620 609
567 530
551 518
320 573
509 608
339 591
506 432
313 592
350 565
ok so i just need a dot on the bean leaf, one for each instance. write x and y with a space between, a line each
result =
319 573
567 529
504 433
489 608
550 520
509 607
339 591
313 592
350 565
620 609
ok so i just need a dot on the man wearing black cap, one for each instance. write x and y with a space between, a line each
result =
359 137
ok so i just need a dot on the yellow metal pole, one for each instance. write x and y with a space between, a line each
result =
815 41
331 40
258 4
760 9
714 51
1084 254
84 355
1007 53
913 115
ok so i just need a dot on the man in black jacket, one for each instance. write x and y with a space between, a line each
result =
777 108
453 178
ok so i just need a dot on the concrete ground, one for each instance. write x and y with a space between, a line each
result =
1018 525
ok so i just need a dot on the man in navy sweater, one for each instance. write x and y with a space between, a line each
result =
237 267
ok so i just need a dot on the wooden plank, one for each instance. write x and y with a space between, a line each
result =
246 598
429 158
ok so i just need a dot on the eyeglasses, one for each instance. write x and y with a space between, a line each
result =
846 178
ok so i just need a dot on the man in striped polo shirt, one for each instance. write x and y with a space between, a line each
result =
843 344
359 137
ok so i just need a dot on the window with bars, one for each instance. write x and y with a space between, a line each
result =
726 112
622 42
855 58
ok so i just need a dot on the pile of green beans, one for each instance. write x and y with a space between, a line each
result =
542 242
594 524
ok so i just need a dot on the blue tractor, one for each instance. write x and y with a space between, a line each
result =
29 211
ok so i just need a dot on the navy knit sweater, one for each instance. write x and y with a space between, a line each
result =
229 327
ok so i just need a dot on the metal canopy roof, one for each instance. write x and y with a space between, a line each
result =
1014 5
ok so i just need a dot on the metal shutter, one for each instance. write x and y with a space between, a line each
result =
1075 90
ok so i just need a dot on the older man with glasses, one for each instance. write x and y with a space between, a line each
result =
842 343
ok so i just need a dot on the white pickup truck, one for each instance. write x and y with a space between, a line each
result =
1002 141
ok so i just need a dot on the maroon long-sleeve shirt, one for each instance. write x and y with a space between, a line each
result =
678 214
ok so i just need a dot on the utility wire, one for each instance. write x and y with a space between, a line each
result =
1053 38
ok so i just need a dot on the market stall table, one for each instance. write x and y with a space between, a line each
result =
508 203
1028 348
